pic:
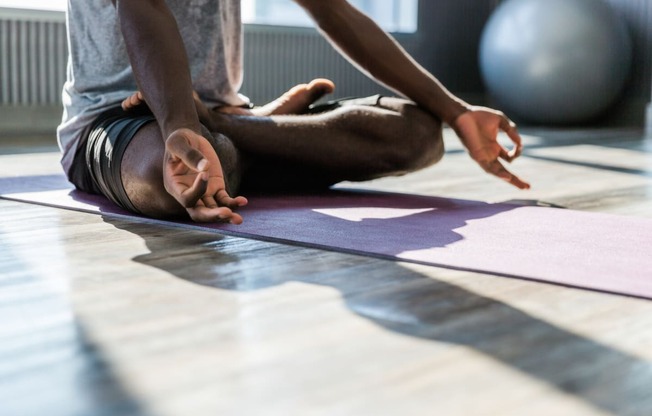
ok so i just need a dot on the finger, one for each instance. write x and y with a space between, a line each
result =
190 196
128 102
236 219
227 201
516 181
224 199
508 155
201 213
519 183
209 201
241 201
496 168
509 127
220 214
136 99
504 154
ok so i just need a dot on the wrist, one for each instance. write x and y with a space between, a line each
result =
447 107
180 132
453 110
172 127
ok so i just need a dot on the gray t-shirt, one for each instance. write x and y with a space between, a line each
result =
100 76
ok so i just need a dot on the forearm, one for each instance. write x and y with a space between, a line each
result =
381 57
159 62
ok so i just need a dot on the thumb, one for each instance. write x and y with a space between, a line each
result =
179 146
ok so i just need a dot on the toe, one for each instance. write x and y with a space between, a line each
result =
322 84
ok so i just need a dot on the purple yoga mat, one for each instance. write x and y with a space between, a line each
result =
587 250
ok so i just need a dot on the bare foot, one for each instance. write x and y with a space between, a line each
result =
297 99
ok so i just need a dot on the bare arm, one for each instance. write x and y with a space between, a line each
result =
373 51
380 56
158 59
191 169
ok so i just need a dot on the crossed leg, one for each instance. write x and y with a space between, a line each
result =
268 149
355 143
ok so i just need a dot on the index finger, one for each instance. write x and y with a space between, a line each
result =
509 127
497 169
185 195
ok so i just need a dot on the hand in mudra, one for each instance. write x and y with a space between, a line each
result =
193 175
478 129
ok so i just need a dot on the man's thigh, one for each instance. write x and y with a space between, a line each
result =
97 163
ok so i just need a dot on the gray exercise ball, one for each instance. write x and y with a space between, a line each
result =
555 61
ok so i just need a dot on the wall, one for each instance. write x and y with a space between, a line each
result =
630 110
638 14
446 44
275 58
450 35
32 70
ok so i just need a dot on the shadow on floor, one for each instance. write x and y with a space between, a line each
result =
406 302
49 365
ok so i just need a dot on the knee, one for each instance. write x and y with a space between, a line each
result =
230 159
426 141
142 175
417 140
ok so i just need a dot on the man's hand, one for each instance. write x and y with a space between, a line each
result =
478 129
193 175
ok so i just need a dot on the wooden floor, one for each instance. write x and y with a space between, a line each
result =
100 316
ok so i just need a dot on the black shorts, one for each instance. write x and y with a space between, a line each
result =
97 162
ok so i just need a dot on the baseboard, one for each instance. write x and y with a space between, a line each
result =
29 120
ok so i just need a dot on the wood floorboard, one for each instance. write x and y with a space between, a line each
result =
105 316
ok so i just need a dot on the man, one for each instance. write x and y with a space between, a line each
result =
194 143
